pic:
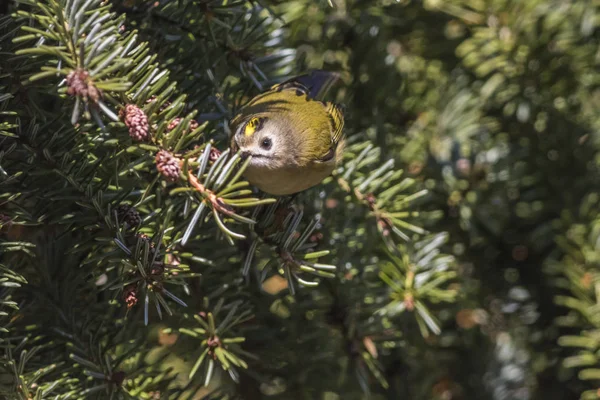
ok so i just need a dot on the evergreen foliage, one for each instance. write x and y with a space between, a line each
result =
453 254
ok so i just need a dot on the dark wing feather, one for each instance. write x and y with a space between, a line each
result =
315 84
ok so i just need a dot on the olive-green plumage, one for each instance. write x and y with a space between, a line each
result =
295 141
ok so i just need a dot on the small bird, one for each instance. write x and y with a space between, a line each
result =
294 139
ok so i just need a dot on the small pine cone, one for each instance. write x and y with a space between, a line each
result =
168 165
214 154
173 124
79 85
137 122
76 82
129 215
130 295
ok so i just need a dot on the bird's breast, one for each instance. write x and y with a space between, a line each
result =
289 180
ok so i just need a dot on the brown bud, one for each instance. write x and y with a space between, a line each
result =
331 203
93 93
409 301
463 166
587 280
173 124
162 107
370 346
154 395
415 167
465 319
384 226
214 154
316 237
167 339
146 238
520 253
130 296
371 200
157 269
213 341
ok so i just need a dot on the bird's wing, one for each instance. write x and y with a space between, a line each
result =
336 117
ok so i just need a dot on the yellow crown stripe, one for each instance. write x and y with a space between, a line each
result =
252 126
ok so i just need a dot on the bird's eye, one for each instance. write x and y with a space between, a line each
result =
266 144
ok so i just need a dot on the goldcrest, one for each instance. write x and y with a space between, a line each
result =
294 139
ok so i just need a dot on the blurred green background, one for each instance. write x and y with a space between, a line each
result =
493 107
